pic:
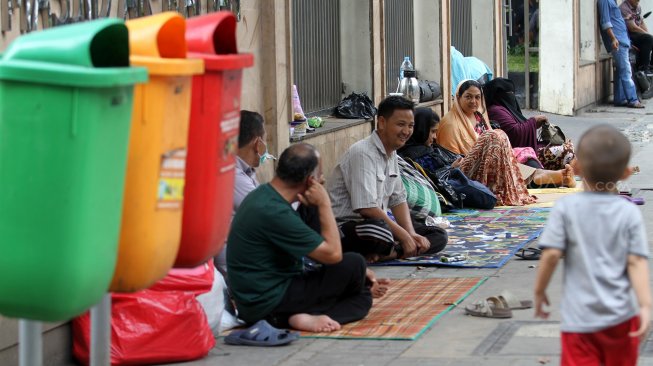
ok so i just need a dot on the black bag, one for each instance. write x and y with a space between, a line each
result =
356 106
443 156
551 135
428 90
475 194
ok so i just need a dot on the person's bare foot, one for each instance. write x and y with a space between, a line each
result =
379 287
313 323
542 177
560 178
568 179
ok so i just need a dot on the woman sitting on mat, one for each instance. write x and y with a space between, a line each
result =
422 149
488 155
503 108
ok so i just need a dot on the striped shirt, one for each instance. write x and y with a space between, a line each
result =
365 177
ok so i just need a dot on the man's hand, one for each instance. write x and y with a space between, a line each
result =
315 195
423 244
540 301
644 324
379 286
408 244
615 44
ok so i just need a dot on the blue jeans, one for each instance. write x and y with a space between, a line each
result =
624 87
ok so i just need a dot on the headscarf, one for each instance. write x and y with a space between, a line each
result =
416 147
501 91
456 132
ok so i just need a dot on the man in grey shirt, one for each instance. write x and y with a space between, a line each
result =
366 183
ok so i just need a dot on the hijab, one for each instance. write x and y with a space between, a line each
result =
456 132
501 91
416 147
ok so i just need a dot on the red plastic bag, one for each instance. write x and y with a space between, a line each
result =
155 326
197 280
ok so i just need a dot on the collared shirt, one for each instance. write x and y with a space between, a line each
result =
245 182
629 13
365 177
610 17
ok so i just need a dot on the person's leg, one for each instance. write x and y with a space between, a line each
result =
579 350
370 237
559 178
356 300
437 236
644 42
624 86
492 163
332 293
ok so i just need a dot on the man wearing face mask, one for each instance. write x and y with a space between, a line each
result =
252 152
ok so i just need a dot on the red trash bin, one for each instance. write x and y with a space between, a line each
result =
212 136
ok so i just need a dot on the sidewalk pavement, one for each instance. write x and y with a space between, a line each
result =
457 339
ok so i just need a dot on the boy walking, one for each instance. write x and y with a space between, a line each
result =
603 239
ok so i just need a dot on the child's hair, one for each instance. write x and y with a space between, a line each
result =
603 153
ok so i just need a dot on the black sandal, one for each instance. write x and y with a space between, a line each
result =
529 254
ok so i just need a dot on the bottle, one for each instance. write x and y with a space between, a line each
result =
452 258
406 65
409 87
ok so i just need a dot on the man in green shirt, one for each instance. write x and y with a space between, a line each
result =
268 240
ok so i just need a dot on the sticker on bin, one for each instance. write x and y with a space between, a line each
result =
171 180
230 121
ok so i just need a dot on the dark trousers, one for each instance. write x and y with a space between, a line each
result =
337 291
373 236
644 42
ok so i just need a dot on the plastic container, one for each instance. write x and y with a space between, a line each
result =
405 65
213 137
151 221
65 109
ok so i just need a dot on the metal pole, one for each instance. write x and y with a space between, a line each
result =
527 56
30 344
101 332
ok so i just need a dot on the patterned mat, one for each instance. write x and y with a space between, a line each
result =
486 239
408 309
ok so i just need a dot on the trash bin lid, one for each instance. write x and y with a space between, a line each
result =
68 75
157 42
89 54
212 37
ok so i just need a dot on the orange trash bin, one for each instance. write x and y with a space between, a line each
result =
213 136
154 187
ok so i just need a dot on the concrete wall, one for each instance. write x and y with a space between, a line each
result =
557 56
427 40
483 35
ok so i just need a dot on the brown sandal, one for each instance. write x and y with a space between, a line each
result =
491 307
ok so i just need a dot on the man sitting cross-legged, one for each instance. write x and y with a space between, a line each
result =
366 183
267 241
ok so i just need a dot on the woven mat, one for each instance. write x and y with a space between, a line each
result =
487 239
408 309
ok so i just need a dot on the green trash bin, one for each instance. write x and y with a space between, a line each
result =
65 113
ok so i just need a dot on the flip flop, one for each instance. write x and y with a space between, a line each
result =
261 334
529 254
636 200
491 307
512 302
637 105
